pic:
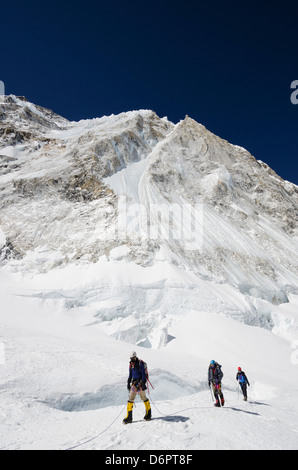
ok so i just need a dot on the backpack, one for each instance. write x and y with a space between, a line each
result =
241 378
218 372
146 373
145 369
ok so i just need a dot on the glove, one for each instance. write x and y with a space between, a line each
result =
142 385
128 385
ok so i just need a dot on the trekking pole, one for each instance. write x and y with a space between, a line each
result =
212 394
248 394
219 395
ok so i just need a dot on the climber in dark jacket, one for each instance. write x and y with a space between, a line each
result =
215 376
243 382
136 384
136 373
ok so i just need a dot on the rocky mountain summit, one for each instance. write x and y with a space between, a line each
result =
74 192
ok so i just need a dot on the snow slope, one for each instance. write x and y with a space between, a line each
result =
63 381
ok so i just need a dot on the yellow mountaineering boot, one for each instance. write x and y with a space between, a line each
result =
147 416
128 418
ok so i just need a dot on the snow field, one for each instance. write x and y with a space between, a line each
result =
63 384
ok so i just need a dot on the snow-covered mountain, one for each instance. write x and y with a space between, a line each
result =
154 194
130 231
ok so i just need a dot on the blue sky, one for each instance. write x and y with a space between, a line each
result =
228 65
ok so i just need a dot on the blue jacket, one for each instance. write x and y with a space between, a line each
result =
136 372
241 377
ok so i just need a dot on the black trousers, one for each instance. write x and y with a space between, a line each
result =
244 389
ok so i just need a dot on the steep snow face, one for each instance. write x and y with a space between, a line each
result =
248 214
157 218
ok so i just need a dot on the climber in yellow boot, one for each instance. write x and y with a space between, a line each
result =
128 418
136 384
147 416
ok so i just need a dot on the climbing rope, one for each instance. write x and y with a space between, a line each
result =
180 411
108 427
98 435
